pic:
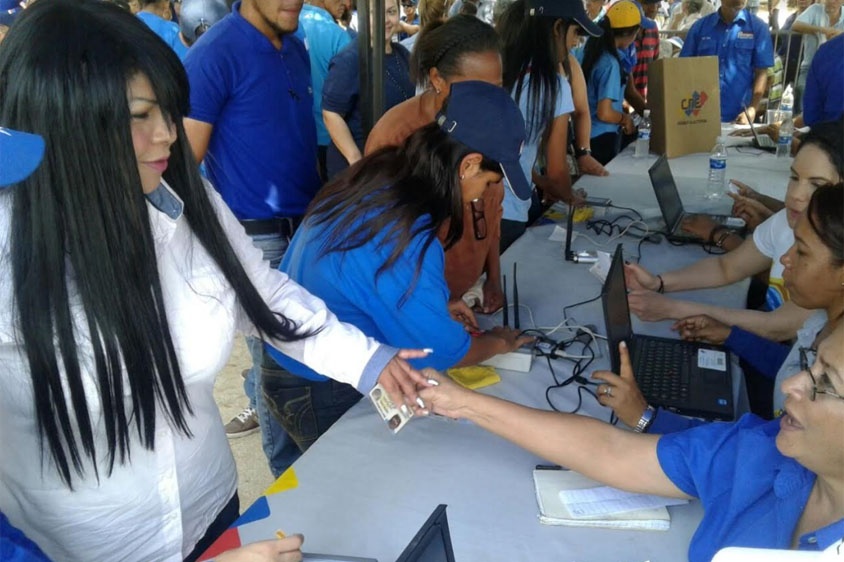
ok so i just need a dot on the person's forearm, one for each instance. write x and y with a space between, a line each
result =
482 348
341 136
805 28
633 97
779 325
492 265
760 80
582 127
764 355
771 203
703 274
618 458
669 422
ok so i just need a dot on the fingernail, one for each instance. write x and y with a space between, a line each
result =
624 344
433 382
405 410
419 401
428 350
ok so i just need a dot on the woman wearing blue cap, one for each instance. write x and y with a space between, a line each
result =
372 247
124 280
534 50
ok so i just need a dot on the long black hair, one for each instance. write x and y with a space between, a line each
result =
81 244
444 46
527 47
829 137
386 193
597 46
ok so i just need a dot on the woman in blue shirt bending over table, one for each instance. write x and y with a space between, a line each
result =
606 78
369 248
762 484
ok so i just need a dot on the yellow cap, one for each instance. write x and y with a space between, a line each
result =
624 14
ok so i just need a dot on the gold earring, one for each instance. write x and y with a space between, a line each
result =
463 177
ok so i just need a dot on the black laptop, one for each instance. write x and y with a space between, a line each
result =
690 378
665 189
433 541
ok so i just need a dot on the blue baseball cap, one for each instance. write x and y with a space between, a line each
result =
20 155
486 119
568 9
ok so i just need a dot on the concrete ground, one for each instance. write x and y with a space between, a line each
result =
253 472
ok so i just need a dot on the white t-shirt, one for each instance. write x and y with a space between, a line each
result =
815 15
773 238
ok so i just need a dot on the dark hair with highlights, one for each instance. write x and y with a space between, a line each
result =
83 258
829 137
384 196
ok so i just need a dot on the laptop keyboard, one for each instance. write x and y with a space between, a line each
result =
663 369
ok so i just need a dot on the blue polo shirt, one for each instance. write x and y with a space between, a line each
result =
752 495
262 156
823 98
324 39
167 30
741 47
605 82
394 306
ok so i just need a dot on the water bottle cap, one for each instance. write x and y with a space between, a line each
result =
647 113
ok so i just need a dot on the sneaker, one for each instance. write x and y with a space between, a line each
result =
245 423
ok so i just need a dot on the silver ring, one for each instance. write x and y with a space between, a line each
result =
608 391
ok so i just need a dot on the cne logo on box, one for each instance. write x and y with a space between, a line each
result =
694 103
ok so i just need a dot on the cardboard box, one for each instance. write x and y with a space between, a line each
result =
685 102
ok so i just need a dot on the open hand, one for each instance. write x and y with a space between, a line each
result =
638 278
277 550
651 306
460 312
400 380
698 225
620 392
443 396
493 296
750 210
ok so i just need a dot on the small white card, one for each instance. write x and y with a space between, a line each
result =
711 359
559 234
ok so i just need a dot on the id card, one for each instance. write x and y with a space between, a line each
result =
712 359
396 418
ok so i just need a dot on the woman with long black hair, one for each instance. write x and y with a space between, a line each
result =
124 279
606 78
534 50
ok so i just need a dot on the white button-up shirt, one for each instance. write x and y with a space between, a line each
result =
158 504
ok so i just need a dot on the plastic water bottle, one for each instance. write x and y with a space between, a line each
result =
784 141
643 143
787 100
717 170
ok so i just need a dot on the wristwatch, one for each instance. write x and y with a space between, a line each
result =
582 151
646 420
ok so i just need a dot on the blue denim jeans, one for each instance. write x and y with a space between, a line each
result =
279 449
305 408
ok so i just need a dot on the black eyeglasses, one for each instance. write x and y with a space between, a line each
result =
478 218
807 359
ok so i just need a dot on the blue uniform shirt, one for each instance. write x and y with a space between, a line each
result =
394 307
823 98
15 546
741 47
324 39
167 30
604 82
752 495
262 156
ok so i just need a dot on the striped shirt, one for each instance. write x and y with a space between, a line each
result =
647 49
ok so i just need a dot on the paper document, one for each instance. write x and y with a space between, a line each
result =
605 500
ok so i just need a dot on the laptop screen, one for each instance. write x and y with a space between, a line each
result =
433 541
616 311
666 192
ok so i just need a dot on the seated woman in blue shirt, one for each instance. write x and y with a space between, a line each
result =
762 484
814 277
369 247
606 78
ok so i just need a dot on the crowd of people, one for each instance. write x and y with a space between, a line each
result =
179 173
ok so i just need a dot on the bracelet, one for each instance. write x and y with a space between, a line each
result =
661 289
723 238
646 420
582 151
715 230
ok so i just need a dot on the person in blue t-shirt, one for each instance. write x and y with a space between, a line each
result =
534 53
762 484
823 99
742 43
606 78
370 248
156 14
408 24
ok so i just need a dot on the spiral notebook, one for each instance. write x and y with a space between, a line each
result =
556 508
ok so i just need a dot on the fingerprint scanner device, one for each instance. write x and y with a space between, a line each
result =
583 256
689 378
665 189
521 359
433 541
763 142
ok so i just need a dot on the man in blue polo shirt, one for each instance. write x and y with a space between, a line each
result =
823 99
324 38
252 123
742 43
